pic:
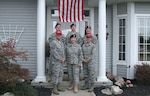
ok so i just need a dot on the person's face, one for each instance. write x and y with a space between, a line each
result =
73 40
88 40
58 27
88 31
58 37
73 28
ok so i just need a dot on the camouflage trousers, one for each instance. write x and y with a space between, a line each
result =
73 72
89 73
57 73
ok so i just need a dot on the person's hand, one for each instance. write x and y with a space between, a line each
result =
78 65
62 60
85 61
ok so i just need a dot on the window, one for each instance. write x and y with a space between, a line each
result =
122 41
144 39
54 13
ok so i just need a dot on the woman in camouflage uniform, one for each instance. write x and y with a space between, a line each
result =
73 31
88 31
74 60
88 50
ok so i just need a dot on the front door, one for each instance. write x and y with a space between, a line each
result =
52 19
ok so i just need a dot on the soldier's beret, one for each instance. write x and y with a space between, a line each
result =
73 36
88 35
57 25
58 32
72 25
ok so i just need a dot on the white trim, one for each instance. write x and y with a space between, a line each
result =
115 27
142 15
92 19
132 38
119 16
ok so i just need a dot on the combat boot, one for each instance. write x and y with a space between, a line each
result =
92 88
59 88
55 91
76 88
86 86
71 87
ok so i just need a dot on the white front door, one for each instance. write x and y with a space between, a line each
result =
52 19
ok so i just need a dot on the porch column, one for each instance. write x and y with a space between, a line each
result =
40 42
102 41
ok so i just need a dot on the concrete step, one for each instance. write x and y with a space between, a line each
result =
65 83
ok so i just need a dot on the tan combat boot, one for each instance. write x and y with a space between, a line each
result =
76 88
71 87
55 91
59 88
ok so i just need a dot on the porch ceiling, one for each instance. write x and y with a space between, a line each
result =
94 3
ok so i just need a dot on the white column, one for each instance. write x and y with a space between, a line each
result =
102 41
40 42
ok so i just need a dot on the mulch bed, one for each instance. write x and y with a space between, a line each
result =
137 90
44 91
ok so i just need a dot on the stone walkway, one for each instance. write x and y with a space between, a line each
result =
71 93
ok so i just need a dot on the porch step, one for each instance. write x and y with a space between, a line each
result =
65 83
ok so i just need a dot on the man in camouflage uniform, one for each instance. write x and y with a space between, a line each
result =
88 50
53 35
51 38
74 59
57 61
73 31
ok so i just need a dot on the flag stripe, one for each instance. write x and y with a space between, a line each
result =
79 9
67 11
75 11
82 9
59 10
71 10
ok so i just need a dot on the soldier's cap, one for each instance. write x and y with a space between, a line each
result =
88 35
58 32
72 25
73 36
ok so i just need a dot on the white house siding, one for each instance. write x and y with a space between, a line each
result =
22 13
142 8
109 40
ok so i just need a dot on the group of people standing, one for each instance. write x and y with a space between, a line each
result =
72 50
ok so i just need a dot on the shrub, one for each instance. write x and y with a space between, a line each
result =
21 89
142 74
11 73
13 78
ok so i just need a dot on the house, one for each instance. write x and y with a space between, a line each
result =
128 25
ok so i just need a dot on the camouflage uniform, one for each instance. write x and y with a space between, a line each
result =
74 56
89 68
94 39
78 38
51 38
57 52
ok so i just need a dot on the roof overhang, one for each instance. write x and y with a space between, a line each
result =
94 3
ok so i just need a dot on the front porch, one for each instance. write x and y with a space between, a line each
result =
41 21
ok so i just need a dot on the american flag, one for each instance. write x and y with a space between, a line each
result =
71 10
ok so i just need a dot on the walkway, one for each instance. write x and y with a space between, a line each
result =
71 93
